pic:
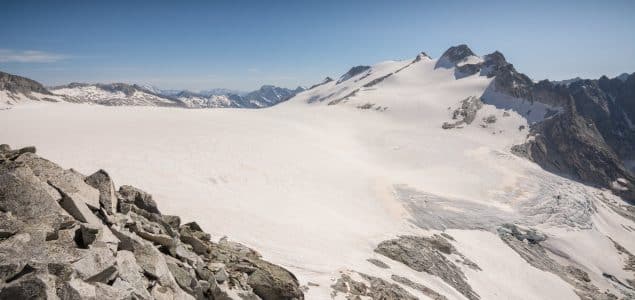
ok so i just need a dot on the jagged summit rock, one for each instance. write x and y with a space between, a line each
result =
120 247
454 55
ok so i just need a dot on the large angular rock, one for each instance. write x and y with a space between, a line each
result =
104 184
139 198
270 281
192 235
185 277
77 208
26 197
69 181
151 260
183 253
131 274
98 265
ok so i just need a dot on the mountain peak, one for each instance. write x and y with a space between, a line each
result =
495 58
454 55
422 56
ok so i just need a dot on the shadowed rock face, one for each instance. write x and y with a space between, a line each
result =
610 103
589 136
593 136
113 245
19 84
571 145
453 56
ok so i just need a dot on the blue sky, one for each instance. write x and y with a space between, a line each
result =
244 44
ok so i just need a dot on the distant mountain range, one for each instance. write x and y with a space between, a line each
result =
15 89
114 94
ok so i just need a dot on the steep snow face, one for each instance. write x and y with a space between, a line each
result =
112 96
315 187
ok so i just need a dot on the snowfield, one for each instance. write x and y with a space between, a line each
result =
315 187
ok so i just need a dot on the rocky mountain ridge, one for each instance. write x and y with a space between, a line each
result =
64 235
587 132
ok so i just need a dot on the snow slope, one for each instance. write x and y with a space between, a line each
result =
315 187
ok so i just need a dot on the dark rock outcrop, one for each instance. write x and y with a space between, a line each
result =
354 71
369 287
420 287
571 145
454 55
588 136
54 243
465 113
21 85
527 243
428 254
325 81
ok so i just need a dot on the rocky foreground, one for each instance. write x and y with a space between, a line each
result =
64 235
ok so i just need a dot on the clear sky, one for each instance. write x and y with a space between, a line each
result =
244 44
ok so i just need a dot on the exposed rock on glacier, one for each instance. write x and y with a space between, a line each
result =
430 255
465 113
355 285
527 243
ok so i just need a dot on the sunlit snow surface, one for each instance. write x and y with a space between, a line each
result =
316 187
